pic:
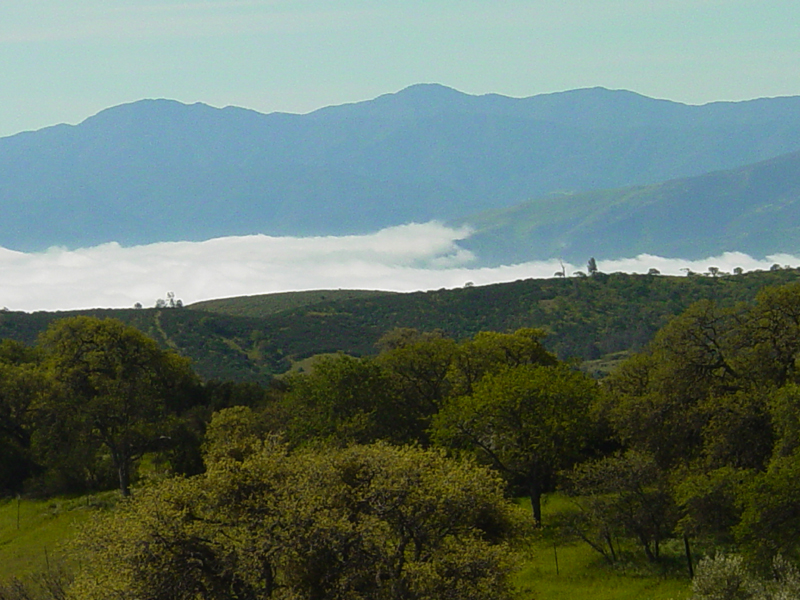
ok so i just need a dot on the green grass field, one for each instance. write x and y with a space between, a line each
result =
45 526
33 533
582 574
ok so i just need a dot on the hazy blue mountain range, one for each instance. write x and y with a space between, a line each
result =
753 209
159 170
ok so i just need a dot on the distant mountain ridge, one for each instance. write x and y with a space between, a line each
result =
159 170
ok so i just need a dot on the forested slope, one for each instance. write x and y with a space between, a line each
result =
586 318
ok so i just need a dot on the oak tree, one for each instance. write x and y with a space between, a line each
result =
114 389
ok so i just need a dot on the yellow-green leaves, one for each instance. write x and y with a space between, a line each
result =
376 522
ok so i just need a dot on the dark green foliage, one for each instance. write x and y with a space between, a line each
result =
784 408
587 318
224 394
709 501
421 370
113 388
713 399
738 432
698 390
21 387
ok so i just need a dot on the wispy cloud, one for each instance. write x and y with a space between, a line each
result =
407 258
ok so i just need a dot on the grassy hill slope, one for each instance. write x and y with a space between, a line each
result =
753 209
264 305
587 318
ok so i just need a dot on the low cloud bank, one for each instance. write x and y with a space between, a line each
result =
406 258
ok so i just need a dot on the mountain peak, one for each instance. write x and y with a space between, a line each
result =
428 90
418 100
149 109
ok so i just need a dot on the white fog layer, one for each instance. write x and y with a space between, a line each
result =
406 258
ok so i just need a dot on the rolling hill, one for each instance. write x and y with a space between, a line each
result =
753 209
254 338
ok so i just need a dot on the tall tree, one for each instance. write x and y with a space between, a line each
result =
528 421
115 388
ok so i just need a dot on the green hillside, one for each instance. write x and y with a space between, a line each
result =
264 305
585 317
753 209
591 318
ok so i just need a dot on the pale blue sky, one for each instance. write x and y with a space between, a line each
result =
64 60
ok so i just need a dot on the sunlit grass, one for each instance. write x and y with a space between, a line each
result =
558 569
46 525
33 533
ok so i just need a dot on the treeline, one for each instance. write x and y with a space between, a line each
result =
83 406
254 338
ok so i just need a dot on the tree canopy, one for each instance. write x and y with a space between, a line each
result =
530 421
377 522
114 390
713 401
